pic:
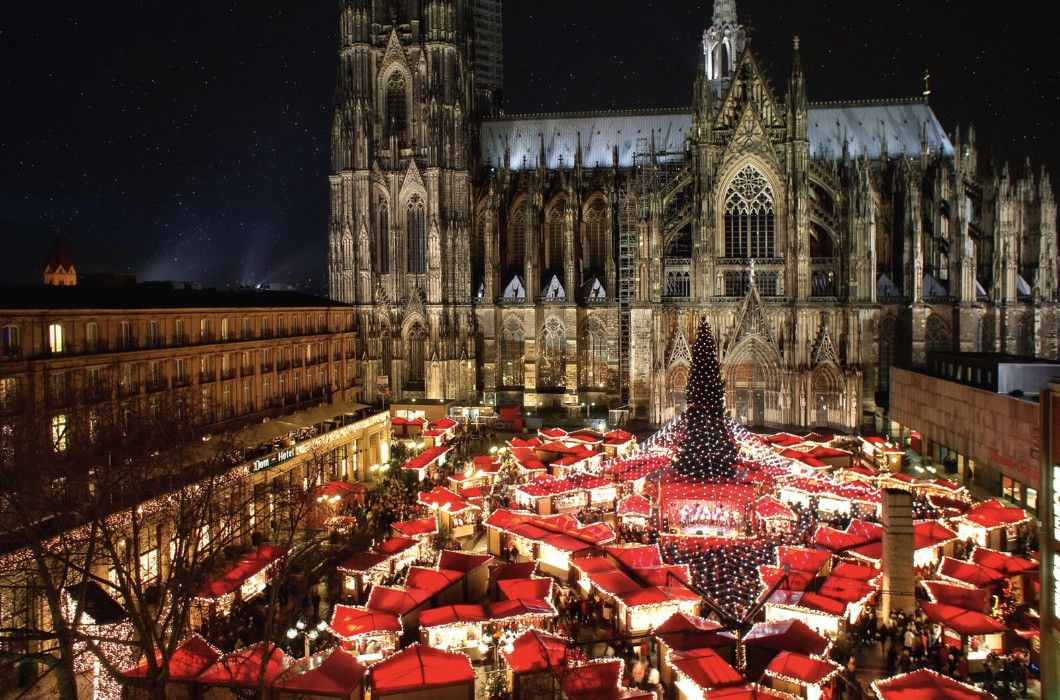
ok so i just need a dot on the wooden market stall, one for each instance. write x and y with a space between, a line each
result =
698 670
370 634
803 676
340 675
189 660
453 627
242 581
252 668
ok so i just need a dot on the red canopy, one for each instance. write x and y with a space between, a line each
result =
804 669
339 676
236 575
705 668
256 666
431 580
635 555
634 505
521 607
412 528
824 604
931 533
682 631
786 635
534 651
595 680
464 562
961 621
522 569
994 514
802 558
927 685
396 545
192 657
769 508
419 667
348 621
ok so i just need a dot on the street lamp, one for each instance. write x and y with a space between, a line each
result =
309 635
502 642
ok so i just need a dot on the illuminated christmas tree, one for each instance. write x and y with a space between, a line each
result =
707 449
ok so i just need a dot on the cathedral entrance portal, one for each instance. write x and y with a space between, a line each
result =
752 382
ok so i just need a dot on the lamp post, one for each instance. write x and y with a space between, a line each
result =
493 644
308 634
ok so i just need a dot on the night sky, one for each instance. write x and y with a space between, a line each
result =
190 141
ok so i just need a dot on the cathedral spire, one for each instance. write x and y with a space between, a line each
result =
724 12
722 44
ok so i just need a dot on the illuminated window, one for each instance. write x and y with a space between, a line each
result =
517 235
91 336
417 233
383 236
595 355
553 354
1032 499
1010 489
596 234
58 433
554 239
396 107
511 355
56 338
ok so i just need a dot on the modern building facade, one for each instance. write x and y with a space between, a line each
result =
562 260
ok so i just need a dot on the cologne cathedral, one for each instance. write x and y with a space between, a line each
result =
563 261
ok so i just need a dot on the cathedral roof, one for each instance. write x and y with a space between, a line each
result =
864 125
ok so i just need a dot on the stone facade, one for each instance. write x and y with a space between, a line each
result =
558 260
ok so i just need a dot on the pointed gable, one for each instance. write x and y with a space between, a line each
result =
750 322
823 349
749 87
679 351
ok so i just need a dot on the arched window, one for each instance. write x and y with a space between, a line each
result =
511 369
416 344
938 335
396 107
595 357
382 232
554 239
553 354
595 245
417 229
749 216
886 350
517 242
478 250
1025 338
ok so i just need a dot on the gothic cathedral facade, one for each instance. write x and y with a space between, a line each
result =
564 260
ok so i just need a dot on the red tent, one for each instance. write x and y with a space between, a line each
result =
595 680
431 580
236 575
633 505
256 666
705 668
413 528
396 545
348 621
802 669
931 533
192 657
825 604
464 562
419 668
994 514
786 635
521 607
339 676
769 508
961 621
634 555
927 685
452 614
534 651
802 558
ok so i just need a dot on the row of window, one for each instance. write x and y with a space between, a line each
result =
58 340
594 370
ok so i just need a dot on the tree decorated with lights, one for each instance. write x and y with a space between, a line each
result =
707 449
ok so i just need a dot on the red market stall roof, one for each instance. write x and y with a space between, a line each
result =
869 532
417 668
400 420
340 489
1008 564
235 576
552 433
802 558
633 505
835 540
643 596
256 666
931 533
845 589
803 669
595 680
396 601
444 499
444 423
854 571
960 596
682 631
797 580
396 545
520 607
705 668
747 691
769 508
635 555
465 562
450 614
614 582
522 569
534 651
339 676
994 514
972 574
618 437
824 604
427 457
927 685
361 562
785 440
590 437
191 658
961 621
348 621
537 587
431 580
412 528
592 565
786 635
663 575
